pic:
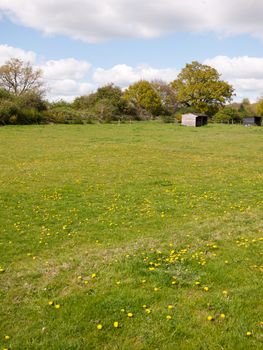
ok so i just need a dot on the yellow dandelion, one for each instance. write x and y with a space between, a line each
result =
174 282
148 311
116 324
130 314
93 275
225 292
197 283
210 318
7 337
99 326
79 277
168 317
222 316
248 334
118 282
143 281
144 306
50 302
206 289
170 306
156 289
122 310
57 306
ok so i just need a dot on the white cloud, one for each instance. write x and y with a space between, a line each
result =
123 75
91 21
7 52
244 73
69 68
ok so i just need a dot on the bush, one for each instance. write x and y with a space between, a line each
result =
168 118
227 115
8 109
66 115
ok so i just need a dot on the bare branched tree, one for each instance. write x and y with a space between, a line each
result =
19 77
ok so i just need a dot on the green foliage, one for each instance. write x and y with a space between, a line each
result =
105 105
67 115
200 86
167 95
8 109
26 108
144 99
227 115
169 118
259 108
246 109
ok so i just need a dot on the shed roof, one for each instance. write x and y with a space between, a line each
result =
196 115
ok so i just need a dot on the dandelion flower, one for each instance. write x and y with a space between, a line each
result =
248 334
210 318
170 306
93 275
222 316
168 317
7 337
148 311
57 306
206 289
116 324
99 326
130 314
50 302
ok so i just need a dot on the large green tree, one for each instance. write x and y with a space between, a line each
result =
144 99
200 86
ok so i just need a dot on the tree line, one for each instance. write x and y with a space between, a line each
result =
198 88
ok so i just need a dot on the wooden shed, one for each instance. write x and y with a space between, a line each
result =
248 121
194 119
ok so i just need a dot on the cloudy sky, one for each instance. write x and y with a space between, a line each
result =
83 44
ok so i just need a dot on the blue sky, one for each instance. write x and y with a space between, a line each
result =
122 44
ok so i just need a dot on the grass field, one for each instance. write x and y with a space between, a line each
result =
156 227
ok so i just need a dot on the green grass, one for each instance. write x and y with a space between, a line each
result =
115 201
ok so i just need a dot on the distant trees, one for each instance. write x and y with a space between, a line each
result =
227 115
259 107
19 77
199 86
105 105
144 99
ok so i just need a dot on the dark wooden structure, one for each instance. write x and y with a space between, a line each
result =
250 121
194 119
